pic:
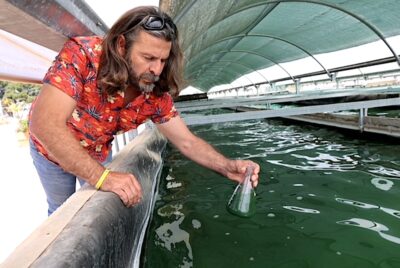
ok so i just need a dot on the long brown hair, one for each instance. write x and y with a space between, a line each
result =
113 74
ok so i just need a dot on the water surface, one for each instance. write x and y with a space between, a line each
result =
324 199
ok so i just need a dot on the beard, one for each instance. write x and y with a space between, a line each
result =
136 80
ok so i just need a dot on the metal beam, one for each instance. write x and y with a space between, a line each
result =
262 15
288 97
259 55
259 18
355 16
215 68
229 103
338 69
229 117
266 36
333 6
49 22
234 62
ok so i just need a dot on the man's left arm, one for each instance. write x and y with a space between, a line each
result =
196 149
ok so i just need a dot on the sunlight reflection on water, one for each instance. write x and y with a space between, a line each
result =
315 186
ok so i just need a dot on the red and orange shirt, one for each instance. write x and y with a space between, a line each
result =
98 116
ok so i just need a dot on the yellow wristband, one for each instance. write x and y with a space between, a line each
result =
102 178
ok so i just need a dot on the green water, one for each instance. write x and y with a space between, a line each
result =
324 199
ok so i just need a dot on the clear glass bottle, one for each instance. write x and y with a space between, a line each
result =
243 200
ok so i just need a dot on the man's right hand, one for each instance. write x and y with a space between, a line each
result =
125 185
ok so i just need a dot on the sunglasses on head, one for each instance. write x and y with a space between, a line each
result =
156 23
153 23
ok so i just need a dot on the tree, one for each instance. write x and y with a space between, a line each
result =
18 92
2 91
3 85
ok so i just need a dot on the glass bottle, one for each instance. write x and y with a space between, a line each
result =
243 200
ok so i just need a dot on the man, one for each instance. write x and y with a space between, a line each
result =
97 88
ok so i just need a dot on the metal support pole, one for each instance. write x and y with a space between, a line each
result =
124 138
297 85
116 144
361 121
334 79
132 134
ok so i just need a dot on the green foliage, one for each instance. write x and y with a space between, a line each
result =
3 85
2 91
17 92
23 125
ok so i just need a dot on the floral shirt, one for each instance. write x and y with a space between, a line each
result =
98 116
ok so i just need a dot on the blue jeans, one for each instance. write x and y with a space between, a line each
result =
57 183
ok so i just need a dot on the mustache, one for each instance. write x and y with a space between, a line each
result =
150 77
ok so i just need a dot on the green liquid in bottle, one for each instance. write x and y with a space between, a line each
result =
243 200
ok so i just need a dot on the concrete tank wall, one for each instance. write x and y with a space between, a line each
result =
94 228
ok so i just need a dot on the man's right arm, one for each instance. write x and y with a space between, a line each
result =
48 124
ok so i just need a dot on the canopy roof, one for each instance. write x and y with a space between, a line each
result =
250 41
282 39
